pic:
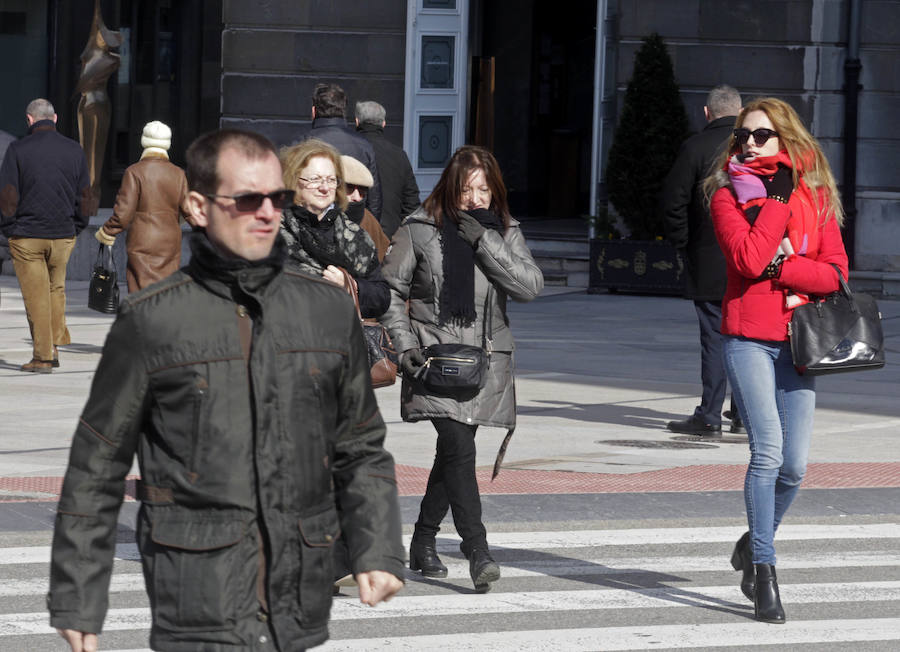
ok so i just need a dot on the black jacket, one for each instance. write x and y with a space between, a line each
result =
242 461
686 217
336 132
44 183
399 190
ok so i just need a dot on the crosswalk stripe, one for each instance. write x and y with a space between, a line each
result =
459 569
599 599
645 637
569 539
17 624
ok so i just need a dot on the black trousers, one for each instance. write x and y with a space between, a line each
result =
452 485
712 363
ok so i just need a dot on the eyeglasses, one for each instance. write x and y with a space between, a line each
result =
315 182
251 201
760 136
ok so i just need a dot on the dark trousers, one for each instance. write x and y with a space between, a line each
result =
452 485
712 363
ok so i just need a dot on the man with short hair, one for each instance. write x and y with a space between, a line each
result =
244 389
399 190
689 228
329 123
44 190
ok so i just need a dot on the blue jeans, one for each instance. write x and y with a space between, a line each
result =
777 406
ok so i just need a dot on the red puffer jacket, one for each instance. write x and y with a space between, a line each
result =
756 308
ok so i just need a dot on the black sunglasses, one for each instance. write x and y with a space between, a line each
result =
760 136
251 201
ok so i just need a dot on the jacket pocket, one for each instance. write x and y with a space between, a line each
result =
194 571
317 536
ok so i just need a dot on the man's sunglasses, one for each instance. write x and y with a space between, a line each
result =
760 136
251 201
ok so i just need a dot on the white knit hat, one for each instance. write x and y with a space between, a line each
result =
156 134
355 173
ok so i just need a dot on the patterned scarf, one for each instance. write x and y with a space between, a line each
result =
313 244
802 228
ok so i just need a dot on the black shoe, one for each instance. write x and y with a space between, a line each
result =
737 426
483 569
766 599
423 557
742 560
694 426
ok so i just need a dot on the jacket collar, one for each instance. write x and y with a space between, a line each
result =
41 125
233 278
724 121
369 128
330 122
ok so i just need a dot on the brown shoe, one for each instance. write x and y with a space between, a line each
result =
37 366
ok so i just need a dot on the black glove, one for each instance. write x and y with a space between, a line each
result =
411 361
781 185
470 229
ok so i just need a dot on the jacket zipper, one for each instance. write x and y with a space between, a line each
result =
199 394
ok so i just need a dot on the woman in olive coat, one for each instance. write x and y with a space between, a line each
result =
443 259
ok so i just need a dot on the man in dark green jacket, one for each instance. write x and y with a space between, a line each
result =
244 389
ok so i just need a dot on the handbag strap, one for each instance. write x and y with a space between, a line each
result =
845 288
99 259
350 287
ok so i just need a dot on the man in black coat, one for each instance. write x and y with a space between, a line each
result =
44 190
399 190
690 229
329 123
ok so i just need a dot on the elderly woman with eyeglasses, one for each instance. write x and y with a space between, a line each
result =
321 239
777 216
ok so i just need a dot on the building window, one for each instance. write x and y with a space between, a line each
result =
437 62
435 138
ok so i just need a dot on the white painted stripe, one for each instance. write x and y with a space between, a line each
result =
41 554
722 598
39 623
459 569
569 539
727 597
669 536
120 583
649 637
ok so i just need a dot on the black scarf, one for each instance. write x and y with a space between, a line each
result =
458 288
313 244
235 278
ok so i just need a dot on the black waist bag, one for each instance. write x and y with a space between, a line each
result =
459 370
454 369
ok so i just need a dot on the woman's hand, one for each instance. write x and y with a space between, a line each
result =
781 185
411 361
335 275
470 229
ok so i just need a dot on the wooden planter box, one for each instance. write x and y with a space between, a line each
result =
652 266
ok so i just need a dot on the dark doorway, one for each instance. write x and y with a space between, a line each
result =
543 66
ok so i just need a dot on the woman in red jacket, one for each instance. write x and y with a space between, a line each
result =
777 215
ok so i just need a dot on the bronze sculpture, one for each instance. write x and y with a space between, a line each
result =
98 63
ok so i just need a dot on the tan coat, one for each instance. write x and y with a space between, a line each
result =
414 269
152 197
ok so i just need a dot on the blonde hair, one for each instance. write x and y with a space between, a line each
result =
803 150
295 158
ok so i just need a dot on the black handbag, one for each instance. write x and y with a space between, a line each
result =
103 291
458 370
838 333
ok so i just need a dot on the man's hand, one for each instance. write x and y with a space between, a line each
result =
84 642
376 585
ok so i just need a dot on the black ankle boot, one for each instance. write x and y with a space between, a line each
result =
423 557
483 569
767 601
742 560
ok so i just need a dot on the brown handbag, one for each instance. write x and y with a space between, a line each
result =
382 355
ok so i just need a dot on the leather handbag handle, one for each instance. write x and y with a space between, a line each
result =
99 259
350 287
845 288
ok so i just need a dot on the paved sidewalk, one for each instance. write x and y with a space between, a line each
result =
598 378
